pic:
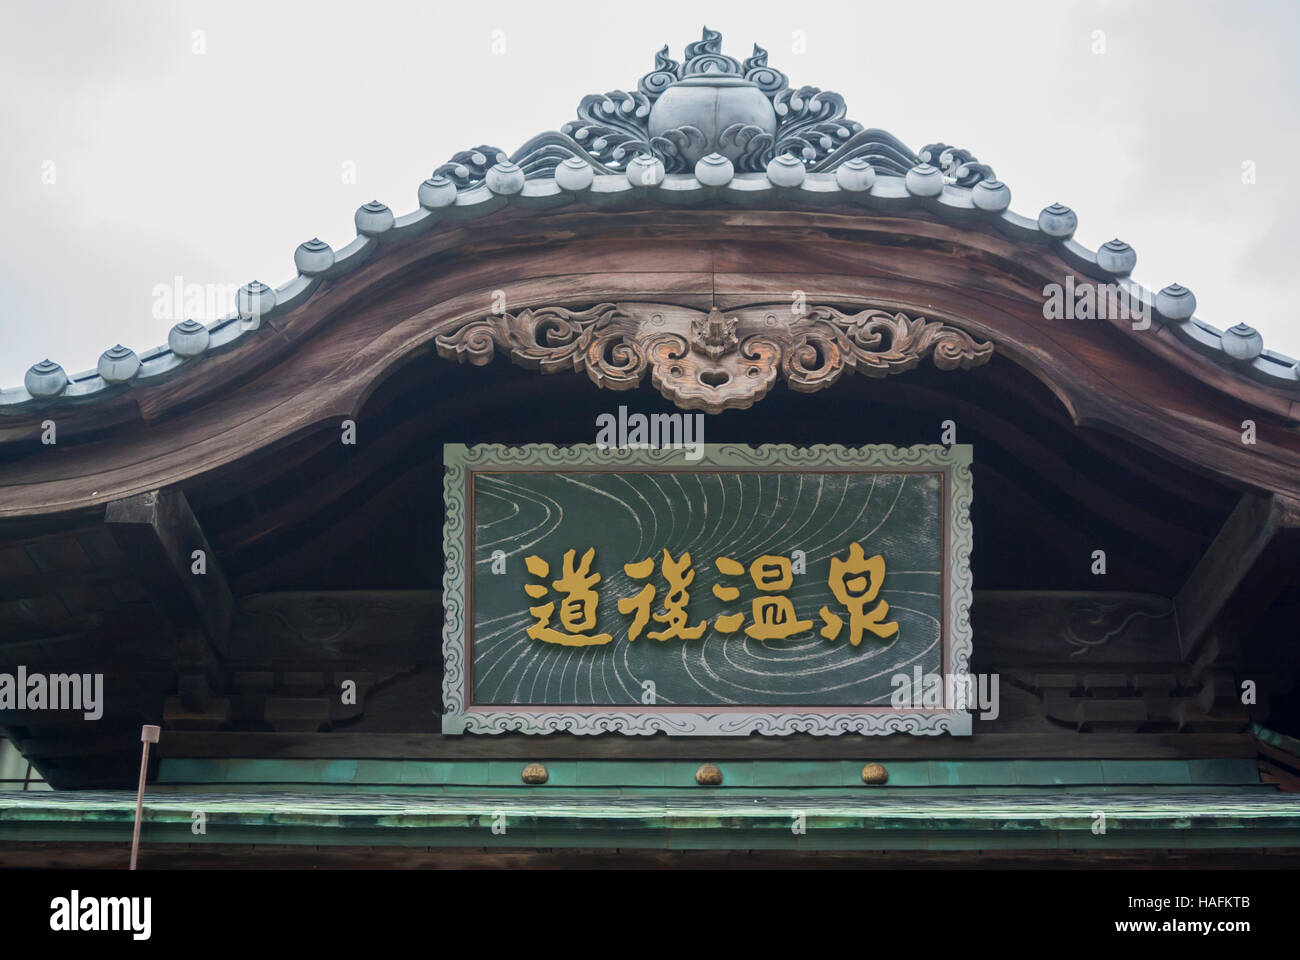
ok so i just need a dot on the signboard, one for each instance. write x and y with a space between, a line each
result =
771 590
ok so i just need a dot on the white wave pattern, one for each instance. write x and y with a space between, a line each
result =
743 515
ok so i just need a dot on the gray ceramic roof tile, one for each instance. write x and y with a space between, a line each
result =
770 127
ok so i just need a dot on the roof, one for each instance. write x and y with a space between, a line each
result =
676 141
869 818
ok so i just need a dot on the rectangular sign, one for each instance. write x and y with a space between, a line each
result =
771 590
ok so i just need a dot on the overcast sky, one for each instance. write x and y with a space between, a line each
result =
209 156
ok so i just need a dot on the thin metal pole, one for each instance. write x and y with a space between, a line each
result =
148 735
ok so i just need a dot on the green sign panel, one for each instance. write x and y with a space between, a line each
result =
768 590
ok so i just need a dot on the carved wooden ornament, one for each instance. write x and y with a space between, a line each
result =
715 361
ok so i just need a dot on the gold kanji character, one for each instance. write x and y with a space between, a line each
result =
772 573
855 593
577 609
679 575
774 617
642 602
727 622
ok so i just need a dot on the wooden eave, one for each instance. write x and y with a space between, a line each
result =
317 363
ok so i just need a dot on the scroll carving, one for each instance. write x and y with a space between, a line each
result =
715 361
763 117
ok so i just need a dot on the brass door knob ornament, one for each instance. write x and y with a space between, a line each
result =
708 775
875 773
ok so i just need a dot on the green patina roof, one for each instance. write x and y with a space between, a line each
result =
926 805
904 819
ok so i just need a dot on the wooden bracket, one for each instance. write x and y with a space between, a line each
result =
160 538
1237 555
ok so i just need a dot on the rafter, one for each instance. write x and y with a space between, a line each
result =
1232 558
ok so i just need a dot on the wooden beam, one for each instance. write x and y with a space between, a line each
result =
46 584
214 415
159 536
1227 563
433 746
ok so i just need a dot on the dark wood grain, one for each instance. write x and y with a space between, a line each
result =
245 856
432 746
158 534
1229 560
324 360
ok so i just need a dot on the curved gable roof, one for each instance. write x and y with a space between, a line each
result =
632 151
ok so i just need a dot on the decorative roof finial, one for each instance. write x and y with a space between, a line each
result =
705 56
680 113
713 103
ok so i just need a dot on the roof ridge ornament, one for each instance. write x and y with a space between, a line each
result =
710 102
705 56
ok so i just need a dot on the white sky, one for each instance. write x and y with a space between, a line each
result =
213 167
